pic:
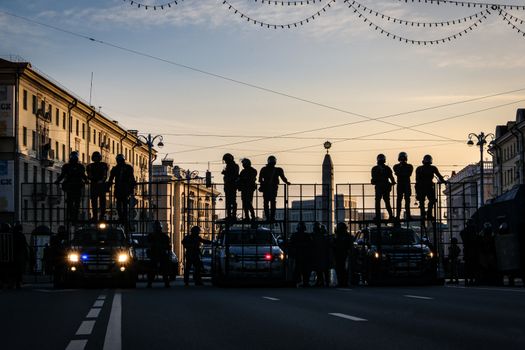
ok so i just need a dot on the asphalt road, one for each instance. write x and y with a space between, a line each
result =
423 317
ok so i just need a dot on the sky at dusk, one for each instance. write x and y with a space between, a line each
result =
283 91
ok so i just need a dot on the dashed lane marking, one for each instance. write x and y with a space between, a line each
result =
345 289
271 298
101 297
489 289
77 344
86 328
417 297
93 313
98 303
348 317
113 339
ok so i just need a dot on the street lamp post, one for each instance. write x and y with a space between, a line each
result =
150 142
481 142
188 175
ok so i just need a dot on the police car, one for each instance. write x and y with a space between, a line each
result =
98 252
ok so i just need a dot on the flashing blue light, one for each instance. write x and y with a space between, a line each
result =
84 257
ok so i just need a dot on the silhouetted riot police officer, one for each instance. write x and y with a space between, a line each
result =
122 174
425 188
192 244
403 172
383 180
301 253
73 176
97 173
342 252
269 180
247 185
231 177
158 253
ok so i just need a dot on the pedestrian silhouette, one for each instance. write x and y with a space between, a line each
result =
247 185
192 243
382 179
321 254
343 244
425 187
231 178
301 254
97 173
159 254
20 254
122 175
403 172
453 260
487 256
269 186
73 177
470 252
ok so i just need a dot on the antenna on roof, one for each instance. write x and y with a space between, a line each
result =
90 88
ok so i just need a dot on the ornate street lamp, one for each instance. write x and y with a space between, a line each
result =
481 142
150 142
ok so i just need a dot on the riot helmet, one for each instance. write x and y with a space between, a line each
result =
381 159
73 157
195 230
427 159
272 160
403 157
227 158
120 158
96 157
246 162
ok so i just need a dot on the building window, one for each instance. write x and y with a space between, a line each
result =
63 153
83 131
64 120
25 100
94 136
35 170
26 172
83 158
57 117
24 136
33 141
70 125
34 106
113 146
77 131
56 150
26 210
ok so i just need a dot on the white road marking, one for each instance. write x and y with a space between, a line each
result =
344 289
490 289
270 298
417 297
86 328
77 344
98 303
348 317
113 339
101 297
93 313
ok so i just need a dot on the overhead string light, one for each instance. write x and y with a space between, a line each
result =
415 23
278 26
511 20
289 3
164 6
414 41
484 5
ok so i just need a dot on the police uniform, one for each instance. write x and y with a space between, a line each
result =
403 173
97 174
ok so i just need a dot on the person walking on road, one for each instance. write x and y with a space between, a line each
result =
322 256
159 249
342 252
231 178
403 172
300 251
453 259
122 175
425 187
269 185
382 179
192 244
97 173
20 254
247 186
74 177
470 252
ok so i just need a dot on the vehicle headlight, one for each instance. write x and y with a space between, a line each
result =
123 257
73 257
377 255
429 255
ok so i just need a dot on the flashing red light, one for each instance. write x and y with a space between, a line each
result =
268 256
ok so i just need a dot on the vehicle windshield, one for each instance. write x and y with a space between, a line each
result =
394 237
250 237
91 236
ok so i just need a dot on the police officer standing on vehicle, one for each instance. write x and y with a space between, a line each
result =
122 174
158 254
425 187
247 185
97 173
192 244
74 176
383 180
403 172
269 180
231 178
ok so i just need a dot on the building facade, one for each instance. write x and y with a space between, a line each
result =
508 155
41 123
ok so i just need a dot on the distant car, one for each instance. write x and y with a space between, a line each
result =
142 246
247 253
98 252
392 253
